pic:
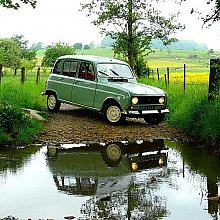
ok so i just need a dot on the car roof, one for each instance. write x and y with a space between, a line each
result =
93 58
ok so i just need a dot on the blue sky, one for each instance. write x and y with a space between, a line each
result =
53 21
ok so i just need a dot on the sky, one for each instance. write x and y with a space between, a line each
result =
61 21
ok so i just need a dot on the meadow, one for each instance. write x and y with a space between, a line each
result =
189 108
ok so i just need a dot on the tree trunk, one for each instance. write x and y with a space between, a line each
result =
130 34
214 79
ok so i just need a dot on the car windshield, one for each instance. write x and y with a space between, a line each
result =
114 70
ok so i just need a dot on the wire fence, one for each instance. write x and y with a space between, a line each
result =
193 75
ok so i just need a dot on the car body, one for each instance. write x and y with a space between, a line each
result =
105 85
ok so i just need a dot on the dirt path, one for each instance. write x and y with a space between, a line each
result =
76 125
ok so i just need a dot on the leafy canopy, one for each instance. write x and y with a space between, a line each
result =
132 24
10 53
54 51
207 17
16 4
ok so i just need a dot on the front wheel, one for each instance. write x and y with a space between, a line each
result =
113 114
154 119
53 104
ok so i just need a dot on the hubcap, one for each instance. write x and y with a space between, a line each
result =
51 102
113 113
113 152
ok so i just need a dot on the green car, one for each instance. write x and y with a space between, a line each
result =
105 85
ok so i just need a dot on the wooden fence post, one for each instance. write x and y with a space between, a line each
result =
38 75
214 79
15 71
165 78
22 75
158 74
184 77
0 73
168 75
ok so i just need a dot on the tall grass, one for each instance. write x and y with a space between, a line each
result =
190 110
16 128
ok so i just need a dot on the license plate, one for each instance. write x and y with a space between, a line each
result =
152 107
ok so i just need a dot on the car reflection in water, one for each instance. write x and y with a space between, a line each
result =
100 170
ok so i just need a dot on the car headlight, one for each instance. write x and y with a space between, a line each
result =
161 100
134 100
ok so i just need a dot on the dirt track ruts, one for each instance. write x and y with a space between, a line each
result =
77 125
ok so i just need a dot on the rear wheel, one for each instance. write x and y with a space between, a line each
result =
113 114
53 104
154 119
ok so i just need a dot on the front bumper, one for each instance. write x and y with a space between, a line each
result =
145 112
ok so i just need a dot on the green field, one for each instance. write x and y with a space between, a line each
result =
189 109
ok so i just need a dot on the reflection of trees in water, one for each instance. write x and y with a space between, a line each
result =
13 160
139 201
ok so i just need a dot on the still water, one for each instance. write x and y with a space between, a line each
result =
127 180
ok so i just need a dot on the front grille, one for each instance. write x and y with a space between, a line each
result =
148 100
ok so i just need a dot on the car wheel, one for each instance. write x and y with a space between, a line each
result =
113 114
112 154
154 119
53 104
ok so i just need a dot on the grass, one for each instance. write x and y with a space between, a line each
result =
16 127
189 110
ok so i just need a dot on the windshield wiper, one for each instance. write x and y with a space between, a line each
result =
115 72
103 73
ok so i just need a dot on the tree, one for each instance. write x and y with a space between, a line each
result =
16 5
132 24
26 52
87 47
107 41
37 46
54 51
208 18
10 53
78 46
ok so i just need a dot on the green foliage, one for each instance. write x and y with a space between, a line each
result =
190 110
25 95
10 53
136 22
16 5
54 51
16 127
26 53
28 64
78 46
87 47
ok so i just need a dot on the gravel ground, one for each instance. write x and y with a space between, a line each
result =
76 125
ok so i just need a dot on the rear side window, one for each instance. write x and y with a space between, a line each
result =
58 67
69 68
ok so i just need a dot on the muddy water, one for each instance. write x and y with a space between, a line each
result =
135 180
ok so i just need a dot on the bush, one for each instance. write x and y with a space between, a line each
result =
16 127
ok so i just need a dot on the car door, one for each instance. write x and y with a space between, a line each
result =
84 88
65 80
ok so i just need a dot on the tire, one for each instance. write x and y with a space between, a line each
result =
154 119
112 154
113 114
53 104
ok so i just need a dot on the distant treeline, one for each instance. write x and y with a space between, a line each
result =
179 45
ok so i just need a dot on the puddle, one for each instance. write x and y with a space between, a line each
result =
125 180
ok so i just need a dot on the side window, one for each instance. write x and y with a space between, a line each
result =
86 71
57 68
69 68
